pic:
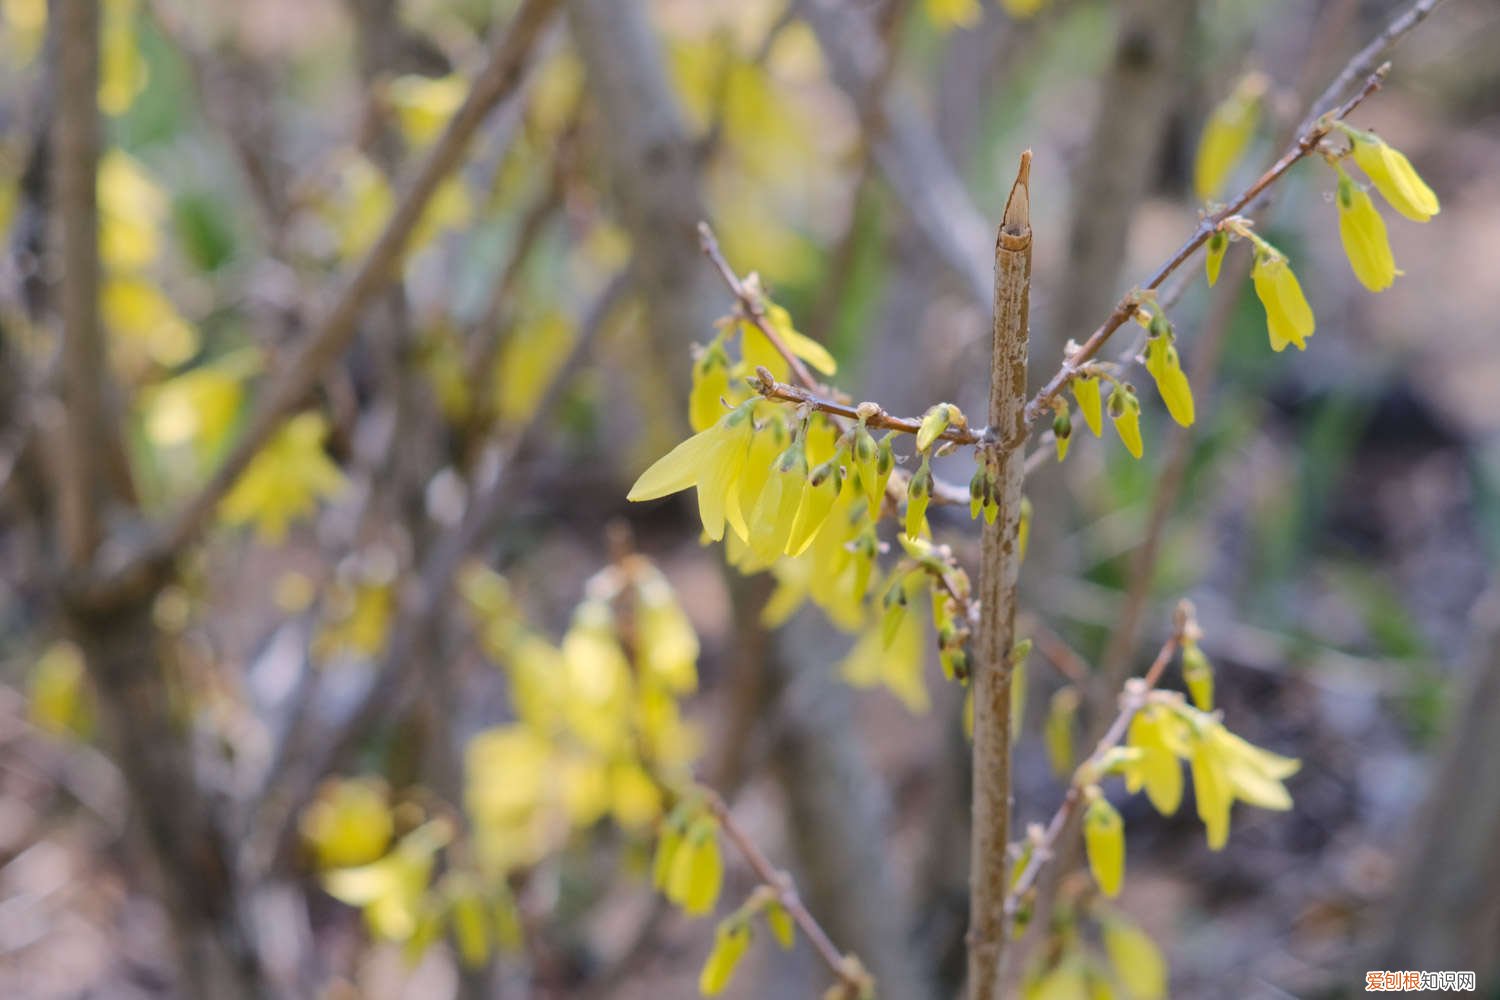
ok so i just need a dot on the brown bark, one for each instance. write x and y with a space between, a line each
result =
999 569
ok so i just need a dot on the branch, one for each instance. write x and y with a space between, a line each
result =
1131 700
500 78
873 414
1128 304
92 469
846 968
999 568
748 304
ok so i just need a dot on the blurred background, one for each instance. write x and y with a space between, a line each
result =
1334 514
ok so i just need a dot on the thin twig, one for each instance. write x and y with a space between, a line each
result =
1131 700
873 414
785 888
1132 300
750 307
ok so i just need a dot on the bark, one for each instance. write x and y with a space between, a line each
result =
1000 566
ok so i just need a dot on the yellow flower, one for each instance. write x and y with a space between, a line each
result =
1214 795
1137 961
730 942
918 496
1362 232
1166 368
697 869
1125 411
1198 674
895 661
1086 392
286 480
817 501
776 509
710 460
1213 258
1228 132
1058 731
710 385
1289 319
1156 768
780 922
947 14
1104 841
1394 176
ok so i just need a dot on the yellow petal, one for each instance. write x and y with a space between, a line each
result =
730 943
1213 259
1394 177
1362 232
809 350
1086 392
1138 963
1226 136
678 469
1166 369
1213 792
1104 839
1289 319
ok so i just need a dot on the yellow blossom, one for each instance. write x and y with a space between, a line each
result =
1227 134
1394 176
731 940
1104 841
1213 257
1362 232
1086 393
286 480
1289 319
710 460
1125 411
1138 963
1166 368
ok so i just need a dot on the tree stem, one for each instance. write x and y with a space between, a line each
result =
999 567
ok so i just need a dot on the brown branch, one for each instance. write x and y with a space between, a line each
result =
748 303
500 78
91 468
999 568
1128 304
849 972
873 414
1131 700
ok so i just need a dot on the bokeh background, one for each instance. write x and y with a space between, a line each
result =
1334 514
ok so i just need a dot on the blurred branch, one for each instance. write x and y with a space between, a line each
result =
289 389
293 781
92 469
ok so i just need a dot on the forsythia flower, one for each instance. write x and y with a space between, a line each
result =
1289 319
711 460
1137 962
1058 731
1362 232
775 512
1166 368
286 480
696 870
1393 176
1104 841
1125 411
731 940
710 385
1213 259
1157 735
1228 132
1086 393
